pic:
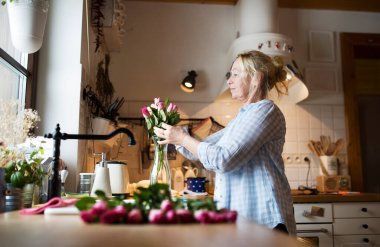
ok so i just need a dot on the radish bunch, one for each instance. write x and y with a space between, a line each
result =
166 214
152 205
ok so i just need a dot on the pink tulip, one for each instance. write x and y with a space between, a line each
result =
160 105
135 216
156 101
172 107
145 112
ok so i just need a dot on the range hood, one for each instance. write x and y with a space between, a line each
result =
257 27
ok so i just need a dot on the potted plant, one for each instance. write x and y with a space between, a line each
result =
103 106
22 171
27 21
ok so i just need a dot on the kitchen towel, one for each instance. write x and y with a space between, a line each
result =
53 203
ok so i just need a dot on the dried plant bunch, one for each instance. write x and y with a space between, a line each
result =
16 123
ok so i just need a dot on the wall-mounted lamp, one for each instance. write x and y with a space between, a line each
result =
188 84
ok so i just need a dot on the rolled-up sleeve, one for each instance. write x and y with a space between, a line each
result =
253 127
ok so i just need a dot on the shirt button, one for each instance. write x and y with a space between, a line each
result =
220 196
220 180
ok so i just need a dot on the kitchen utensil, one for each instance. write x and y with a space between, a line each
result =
119 177
330 163
312 149
339 146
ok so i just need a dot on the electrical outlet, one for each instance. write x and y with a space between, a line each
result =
288 159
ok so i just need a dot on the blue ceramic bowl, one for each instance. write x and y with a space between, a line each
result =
196 184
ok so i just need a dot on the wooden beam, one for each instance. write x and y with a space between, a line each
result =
349 5
226 2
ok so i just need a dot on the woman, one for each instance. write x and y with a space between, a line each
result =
246 155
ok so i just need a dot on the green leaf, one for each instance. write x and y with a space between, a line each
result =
166 103
163 115
101 195
85 203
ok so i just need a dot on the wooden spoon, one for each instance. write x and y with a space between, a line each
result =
339 146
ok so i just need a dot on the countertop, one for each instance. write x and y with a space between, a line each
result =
69 230
361 197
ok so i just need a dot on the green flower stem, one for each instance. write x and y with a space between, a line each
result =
160 169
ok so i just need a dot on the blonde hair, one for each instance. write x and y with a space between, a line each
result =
272 70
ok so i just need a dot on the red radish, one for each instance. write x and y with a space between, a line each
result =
231 215
135 216
109 217
156 216
171 216
201 216
99 207
184 215
87 216
166 205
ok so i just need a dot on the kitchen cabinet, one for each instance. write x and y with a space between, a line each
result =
339 224
356 224
314 224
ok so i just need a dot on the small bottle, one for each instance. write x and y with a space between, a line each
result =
102 179
179 180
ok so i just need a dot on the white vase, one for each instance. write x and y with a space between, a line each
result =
27 19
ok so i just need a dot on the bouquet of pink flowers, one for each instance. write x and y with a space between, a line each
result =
157 113
160 112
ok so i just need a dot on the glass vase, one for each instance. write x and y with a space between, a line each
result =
160 172
27 195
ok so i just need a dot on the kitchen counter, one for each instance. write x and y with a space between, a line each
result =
69 230
362 197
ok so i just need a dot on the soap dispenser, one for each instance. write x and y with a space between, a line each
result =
102 178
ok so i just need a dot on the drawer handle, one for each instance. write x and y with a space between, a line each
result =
364 210
365 226
365 240
323 230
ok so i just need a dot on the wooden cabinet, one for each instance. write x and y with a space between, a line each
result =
356 224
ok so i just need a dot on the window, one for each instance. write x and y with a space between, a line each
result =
16 68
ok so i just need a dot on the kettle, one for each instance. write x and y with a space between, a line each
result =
119 177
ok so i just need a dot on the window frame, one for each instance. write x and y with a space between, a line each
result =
30 73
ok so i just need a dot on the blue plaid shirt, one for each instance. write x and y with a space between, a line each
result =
250 175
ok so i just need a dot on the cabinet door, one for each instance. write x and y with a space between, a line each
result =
356 210
313 212
356 226
357 241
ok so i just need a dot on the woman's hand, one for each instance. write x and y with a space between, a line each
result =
172 134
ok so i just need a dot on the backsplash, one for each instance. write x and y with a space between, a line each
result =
304 122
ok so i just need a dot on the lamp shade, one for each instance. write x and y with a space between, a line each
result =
188 83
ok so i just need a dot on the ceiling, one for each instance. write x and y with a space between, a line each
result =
350 5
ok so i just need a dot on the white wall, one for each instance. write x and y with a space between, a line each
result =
59 77
147 63
166 40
